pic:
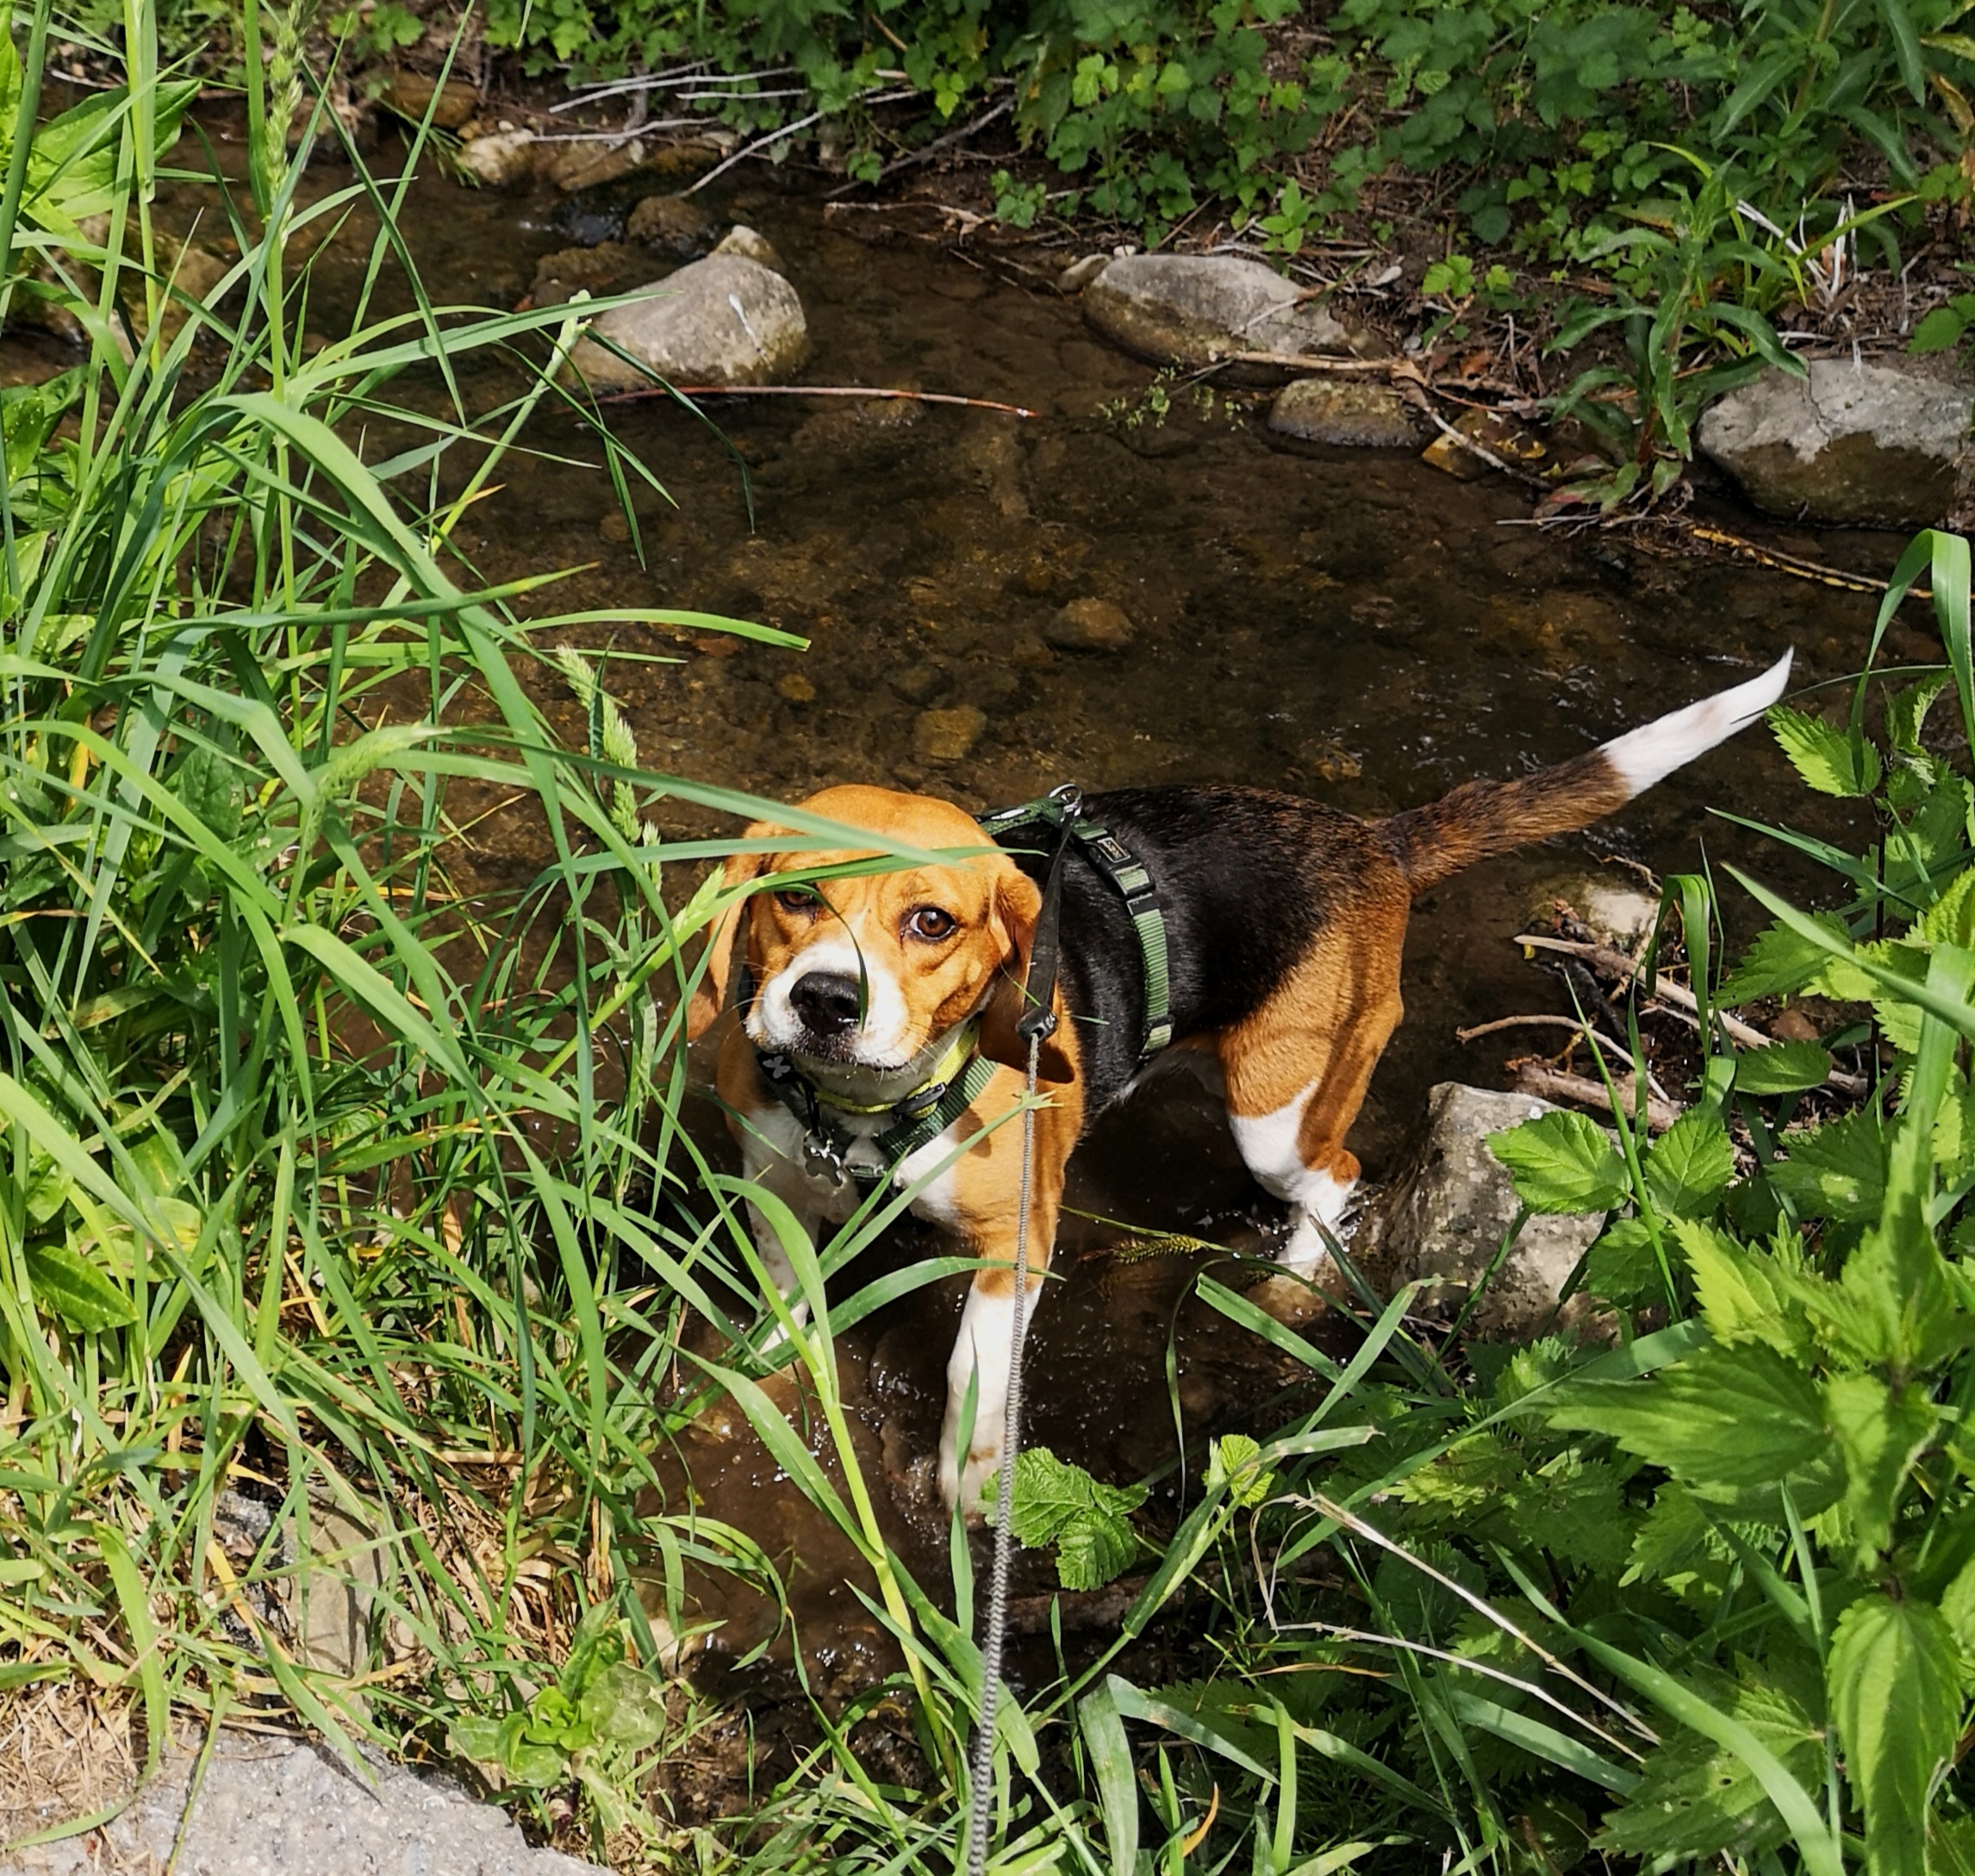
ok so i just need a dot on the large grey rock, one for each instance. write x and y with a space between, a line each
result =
1352 412
1190 309
281 1807
725 320
1446 1212
1871 443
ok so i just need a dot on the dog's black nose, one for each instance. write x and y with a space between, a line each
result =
827 1003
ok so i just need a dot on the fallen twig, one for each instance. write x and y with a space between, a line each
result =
815 390
1316 362
1553 1084
1520 1022
1609 959
1796 564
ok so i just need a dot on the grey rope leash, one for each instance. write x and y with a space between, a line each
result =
1036 1022
992 1648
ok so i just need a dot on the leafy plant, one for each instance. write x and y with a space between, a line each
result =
1061 1507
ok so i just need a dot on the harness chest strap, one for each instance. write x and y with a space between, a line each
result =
1132 881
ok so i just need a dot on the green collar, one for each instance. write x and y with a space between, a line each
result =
958 1081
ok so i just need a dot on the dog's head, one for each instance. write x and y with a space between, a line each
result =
871 974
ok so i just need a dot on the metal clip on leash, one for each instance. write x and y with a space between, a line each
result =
1036 1023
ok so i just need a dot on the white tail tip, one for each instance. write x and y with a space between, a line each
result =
1646 755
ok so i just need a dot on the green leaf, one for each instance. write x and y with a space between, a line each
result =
1743 1297
1622 1267
1823 755
1563 1161
1062 1505
1780 961
1690 1166
1731 1423
1698 1799
1838 1171
1895 1691
1882 1435
1234 1466
1783 1067
1938 330
473 1737
75 1289
625 1705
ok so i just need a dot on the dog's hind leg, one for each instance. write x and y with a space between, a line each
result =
1297 1072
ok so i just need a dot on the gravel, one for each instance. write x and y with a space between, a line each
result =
282 1807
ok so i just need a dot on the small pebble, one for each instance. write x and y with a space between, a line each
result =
919 684
1089 624
614 528
947 735
796 688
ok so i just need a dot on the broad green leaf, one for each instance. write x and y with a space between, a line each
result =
472 1737
1783 1067
1698 1799
1563 1161
1906 712
1622 1267
1823 755
1690 1166
1882 1435
1731 1423
75 1289
625 1705
1780 961
1837 1171
1086 1521
1895 1691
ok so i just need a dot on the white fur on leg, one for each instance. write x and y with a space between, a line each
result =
1316 1198
983 1347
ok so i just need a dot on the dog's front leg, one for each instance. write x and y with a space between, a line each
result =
984 1348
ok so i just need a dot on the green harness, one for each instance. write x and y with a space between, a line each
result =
963 1073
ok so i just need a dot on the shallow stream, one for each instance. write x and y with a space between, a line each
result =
1357 626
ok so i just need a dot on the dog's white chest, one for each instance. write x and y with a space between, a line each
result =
774 1152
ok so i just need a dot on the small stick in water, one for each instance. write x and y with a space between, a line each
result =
813 390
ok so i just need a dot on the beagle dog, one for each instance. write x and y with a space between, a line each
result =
1284 925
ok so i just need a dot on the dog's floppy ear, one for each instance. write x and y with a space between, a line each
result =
1011 917
711 997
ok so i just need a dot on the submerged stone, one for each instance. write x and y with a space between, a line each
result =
725 319
1350 412
1090 625
1879 446
672 225
1190 309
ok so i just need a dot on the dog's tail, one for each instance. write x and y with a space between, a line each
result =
1480 819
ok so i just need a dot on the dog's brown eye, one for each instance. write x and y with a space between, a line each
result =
930 922
799 899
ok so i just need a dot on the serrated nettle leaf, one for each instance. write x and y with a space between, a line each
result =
1779 962
1698 1800
1733 1424
1234 1466
1951 919
1743 1297
1824 754
1954 1143
1563 1161
1958 1606
1623 1268
1882 1434
1919 854
1894 1675
1836 1171
1783 1067
1060 1505
1906 712
1690 1166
